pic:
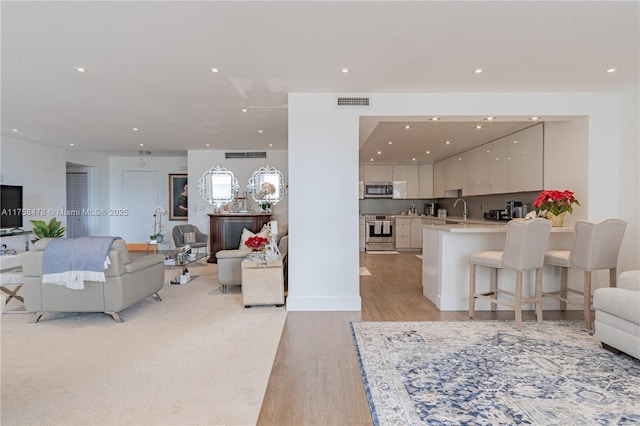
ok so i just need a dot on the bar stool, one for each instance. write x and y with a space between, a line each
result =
596 245
524 249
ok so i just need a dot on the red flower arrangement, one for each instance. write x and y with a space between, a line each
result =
256 242
555 202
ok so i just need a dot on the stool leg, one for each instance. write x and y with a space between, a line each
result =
472 289
587 299
564 277
494 287
539 294
518 301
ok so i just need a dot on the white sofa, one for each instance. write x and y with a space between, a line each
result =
229 261
618 314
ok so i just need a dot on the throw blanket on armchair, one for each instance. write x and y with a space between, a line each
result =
72 261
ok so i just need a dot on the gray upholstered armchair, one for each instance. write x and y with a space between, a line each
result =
200 238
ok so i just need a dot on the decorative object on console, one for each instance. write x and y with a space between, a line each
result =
554 204
53 229
256 243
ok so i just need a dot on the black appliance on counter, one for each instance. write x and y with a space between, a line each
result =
430 209
496 215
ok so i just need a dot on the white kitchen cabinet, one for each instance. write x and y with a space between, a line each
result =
399 181
425 180
533 162
487 158
378 173
403 233
405 181
499 168
453 172
471 172
439 179
416 233
515 154
363 232
525 159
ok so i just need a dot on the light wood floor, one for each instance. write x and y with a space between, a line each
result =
315 379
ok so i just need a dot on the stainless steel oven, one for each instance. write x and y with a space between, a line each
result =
380 233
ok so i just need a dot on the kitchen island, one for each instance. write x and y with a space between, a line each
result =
445 263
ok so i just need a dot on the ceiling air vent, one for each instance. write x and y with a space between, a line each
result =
252 154
356 102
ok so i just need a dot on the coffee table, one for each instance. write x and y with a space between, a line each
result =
185 262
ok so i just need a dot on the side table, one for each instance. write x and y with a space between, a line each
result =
156 246
262 281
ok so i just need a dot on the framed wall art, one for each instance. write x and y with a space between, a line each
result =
178 197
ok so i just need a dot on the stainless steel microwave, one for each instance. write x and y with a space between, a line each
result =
378 190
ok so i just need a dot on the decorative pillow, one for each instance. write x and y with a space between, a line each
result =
246 234
189 237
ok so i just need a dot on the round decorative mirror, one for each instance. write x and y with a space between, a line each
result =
267 186
218 186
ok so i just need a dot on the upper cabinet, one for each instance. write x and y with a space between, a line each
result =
439 179
425 180
525 159
471 175
499 167
406 181
378 173
453 172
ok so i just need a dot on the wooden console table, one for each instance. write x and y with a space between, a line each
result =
225 230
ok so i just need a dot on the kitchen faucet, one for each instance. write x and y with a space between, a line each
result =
465 212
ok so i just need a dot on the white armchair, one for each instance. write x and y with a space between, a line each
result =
618 314
229 261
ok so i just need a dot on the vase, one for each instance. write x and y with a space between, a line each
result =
159 238
556 220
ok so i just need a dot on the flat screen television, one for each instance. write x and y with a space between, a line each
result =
10 206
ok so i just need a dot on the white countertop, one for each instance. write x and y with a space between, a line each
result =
474 228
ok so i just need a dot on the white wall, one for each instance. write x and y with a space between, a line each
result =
163 166
323 272
202 160
629 177
565 149
40 169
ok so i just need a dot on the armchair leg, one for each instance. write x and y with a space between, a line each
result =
36 317
157 296
116 316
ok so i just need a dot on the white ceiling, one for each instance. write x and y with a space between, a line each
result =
149 65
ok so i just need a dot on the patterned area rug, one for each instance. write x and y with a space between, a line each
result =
489 373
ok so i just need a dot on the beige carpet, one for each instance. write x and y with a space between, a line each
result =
197 357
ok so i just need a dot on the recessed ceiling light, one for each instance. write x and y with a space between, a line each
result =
141 144
371 159
207 144
479 126
270 144
489 118
80 69
413 159
72 144
345 70
435 118
214 70
478 70
379 152
389 143
244 110
260 131
610 70
515 141
428 152
14 130
407 127
135 129
534 118
447 142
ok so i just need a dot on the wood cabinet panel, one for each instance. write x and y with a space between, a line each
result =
425 181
